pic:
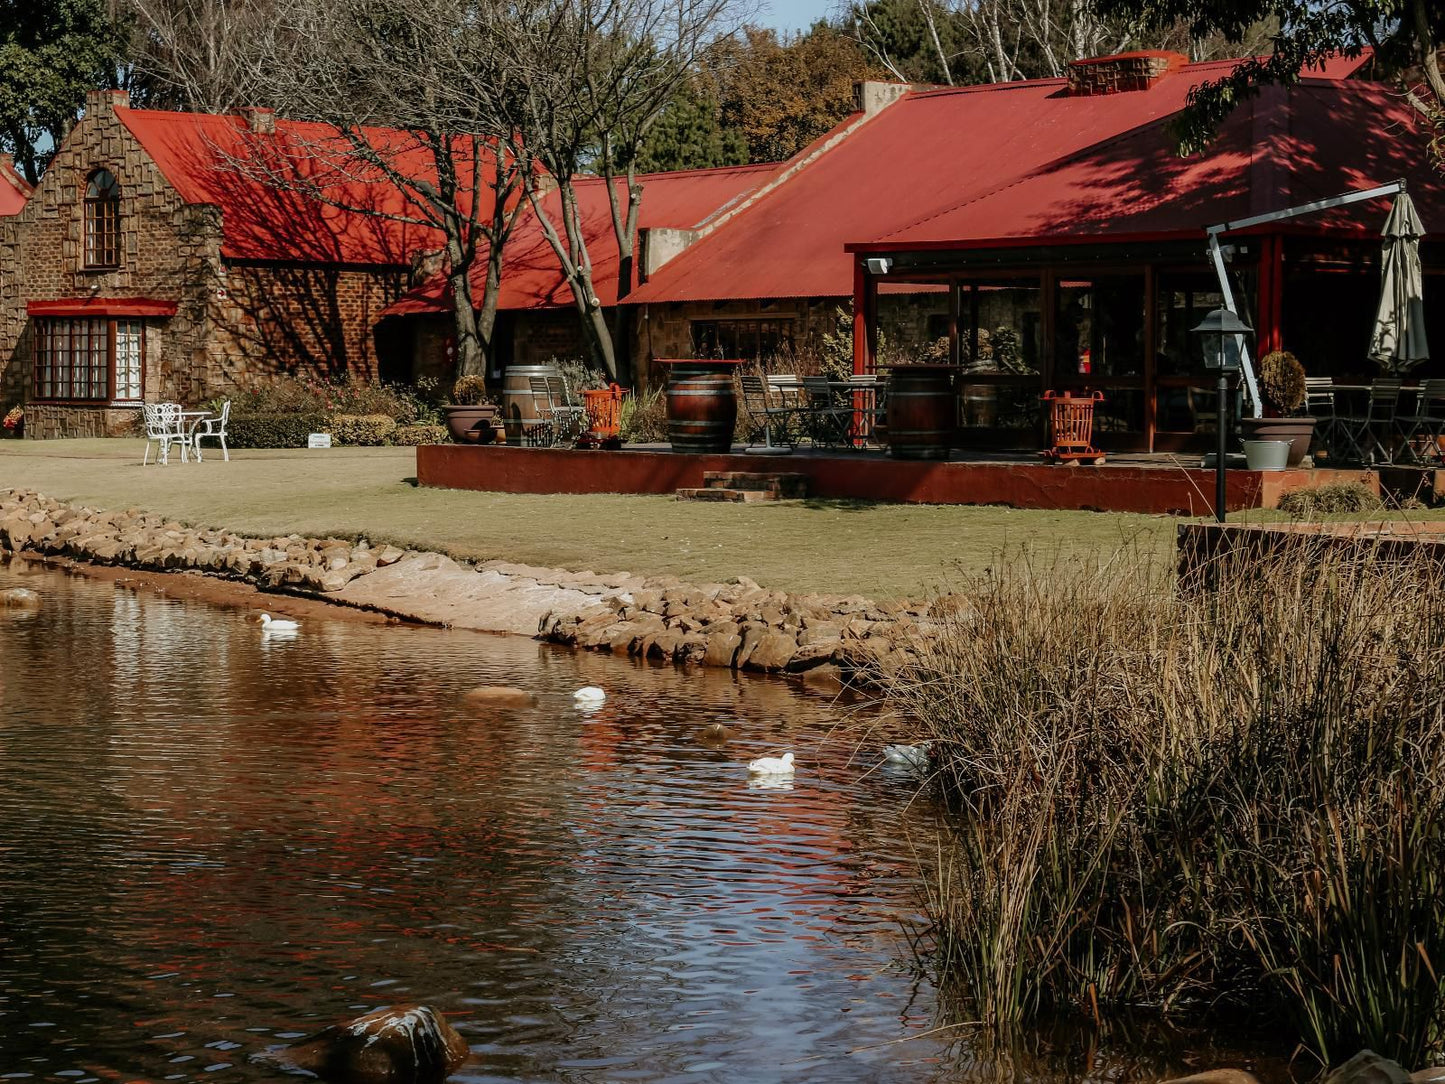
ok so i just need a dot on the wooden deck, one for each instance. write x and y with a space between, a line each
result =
1164 484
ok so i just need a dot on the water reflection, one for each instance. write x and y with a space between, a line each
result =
214 838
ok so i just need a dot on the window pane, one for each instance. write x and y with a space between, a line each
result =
1099 327
63 329
1000 330
127 359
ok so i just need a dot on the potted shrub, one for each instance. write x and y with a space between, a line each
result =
15 421
1282 387
471 412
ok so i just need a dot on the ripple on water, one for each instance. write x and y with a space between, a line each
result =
212 841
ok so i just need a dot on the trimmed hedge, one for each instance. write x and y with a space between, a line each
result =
410 436
362 430
274 430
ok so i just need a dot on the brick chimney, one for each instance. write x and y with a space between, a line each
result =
1122 72
103 102
258 118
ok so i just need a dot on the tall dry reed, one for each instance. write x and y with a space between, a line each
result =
1226 803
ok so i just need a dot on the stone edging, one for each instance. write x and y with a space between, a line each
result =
738 625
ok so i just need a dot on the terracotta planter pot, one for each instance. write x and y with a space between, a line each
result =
471 424
1298 431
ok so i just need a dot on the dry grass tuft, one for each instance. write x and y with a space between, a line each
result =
1221 806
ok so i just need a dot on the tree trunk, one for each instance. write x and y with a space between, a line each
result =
594 326
487 314
471 360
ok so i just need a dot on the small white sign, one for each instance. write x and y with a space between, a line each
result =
319 440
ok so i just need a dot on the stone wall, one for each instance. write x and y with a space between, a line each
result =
169 250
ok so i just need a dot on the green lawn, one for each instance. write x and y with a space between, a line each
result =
879 550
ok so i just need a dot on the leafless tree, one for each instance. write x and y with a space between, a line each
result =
408 96
194 53
598 74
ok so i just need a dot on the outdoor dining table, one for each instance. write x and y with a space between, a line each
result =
858 394
191 421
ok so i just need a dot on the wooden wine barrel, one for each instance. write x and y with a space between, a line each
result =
922 411
702 408
518 406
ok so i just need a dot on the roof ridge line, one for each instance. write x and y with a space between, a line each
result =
788 169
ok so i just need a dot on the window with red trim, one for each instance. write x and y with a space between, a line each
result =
89 360
102 220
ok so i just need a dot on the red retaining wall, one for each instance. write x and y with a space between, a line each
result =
1122 488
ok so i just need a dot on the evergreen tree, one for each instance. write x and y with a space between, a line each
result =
691 135
51 53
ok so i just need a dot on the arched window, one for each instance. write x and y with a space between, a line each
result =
102 220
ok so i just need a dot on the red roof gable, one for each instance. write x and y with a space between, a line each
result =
968 152
532 278
198 154
14 189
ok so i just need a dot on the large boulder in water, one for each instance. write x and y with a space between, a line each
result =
409 1044
21 598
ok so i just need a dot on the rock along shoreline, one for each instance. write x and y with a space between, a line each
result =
738 625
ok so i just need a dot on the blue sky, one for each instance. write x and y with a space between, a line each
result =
793 14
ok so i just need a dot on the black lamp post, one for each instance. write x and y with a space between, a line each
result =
1221 333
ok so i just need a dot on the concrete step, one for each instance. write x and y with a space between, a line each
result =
783 486
741 496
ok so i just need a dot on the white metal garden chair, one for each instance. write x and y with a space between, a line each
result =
213 428
164 427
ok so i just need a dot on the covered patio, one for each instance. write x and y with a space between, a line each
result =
1089 274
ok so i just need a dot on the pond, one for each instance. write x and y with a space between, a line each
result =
213 840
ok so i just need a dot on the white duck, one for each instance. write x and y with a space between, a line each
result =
274 624
908 756
782 765
589 694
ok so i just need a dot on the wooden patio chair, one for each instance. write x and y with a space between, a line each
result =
1320 405
772 417
541 431
569 415
829 421
1422 428
1369 434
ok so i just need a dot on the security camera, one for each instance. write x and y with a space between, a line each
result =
879 265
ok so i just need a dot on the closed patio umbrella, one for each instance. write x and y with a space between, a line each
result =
1398 342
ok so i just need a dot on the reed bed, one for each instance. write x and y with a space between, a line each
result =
1221 804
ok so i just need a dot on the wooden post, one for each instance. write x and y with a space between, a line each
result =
955 306
1269 335
862 333
1151 351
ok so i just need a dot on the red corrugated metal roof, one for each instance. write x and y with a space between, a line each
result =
961 159
198 152
14 190
683 200
1287 147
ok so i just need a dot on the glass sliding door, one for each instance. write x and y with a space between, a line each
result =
1100 345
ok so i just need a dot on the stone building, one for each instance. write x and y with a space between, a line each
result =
146 266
